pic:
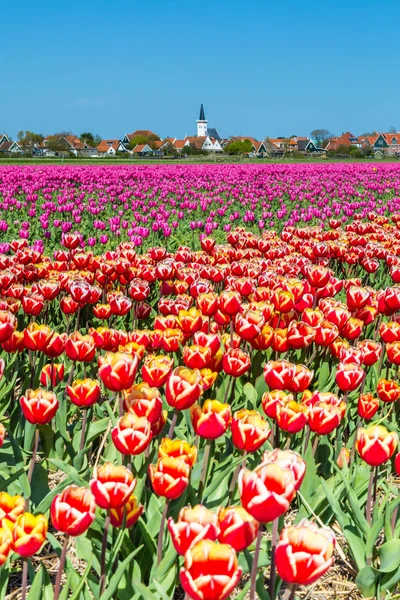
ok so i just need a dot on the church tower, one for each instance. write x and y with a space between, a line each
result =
202 123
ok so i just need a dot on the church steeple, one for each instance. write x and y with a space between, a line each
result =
202 123
202 116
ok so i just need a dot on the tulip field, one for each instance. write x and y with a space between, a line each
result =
199 382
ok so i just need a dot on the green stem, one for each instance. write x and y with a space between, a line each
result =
24 581
103 554
161 532
254 565
369 497
32 463
274 542
83 431
57 587
203 476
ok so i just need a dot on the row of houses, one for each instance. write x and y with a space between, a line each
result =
206 140
380 143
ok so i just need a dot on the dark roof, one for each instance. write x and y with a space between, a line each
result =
202 115
302 144
212 132
5 146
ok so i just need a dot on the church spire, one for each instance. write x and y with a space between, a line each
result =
202 116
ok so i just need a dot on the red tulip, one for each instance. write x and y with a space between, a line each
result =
304 553
73 511
192 526
210 571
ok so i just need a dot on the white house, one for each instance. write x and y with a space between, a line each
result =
110 147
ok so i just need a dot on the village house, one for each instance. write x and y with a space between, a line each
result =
346 139
258 148
141 150
179 145
9 147
110 147
66 144
139 133
384 143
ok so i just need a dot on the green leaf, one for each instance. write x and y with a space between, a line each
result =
160 589
144 590
366 581
389 555
390 580
82 580
116 578
148 538
373 536
250 393
357 545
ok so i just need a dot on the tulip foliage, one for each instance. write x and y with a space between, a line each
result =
209 415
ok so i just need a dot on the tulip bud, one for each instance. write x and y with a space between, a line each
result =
210 571
132 434
367 406
39 406
29 534
169 477
156 370
387 390
112 485
83 392
178 449
11 507
211 420
144 401
249 430
343 457
73 511
267 491
304 553
349 376
278 374
235 362
192 526
129 512
52 374
118 371
184 388
376 444
238 528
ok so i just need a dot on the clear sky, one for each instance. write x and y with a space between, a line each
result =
260 68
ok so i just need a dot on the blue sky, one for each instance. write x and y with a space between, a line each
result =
260 67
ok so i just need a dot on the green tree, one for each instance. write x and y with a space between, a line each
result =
58 143
140 139
239 147
29 138
90 138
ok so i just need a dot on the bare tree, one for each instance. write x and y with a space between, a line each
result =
320 135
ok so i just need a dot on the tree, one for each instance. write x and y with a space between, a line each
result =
239 147
320 135
29 138
58 143
392 129
169 150
89 138
140 139
367 134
